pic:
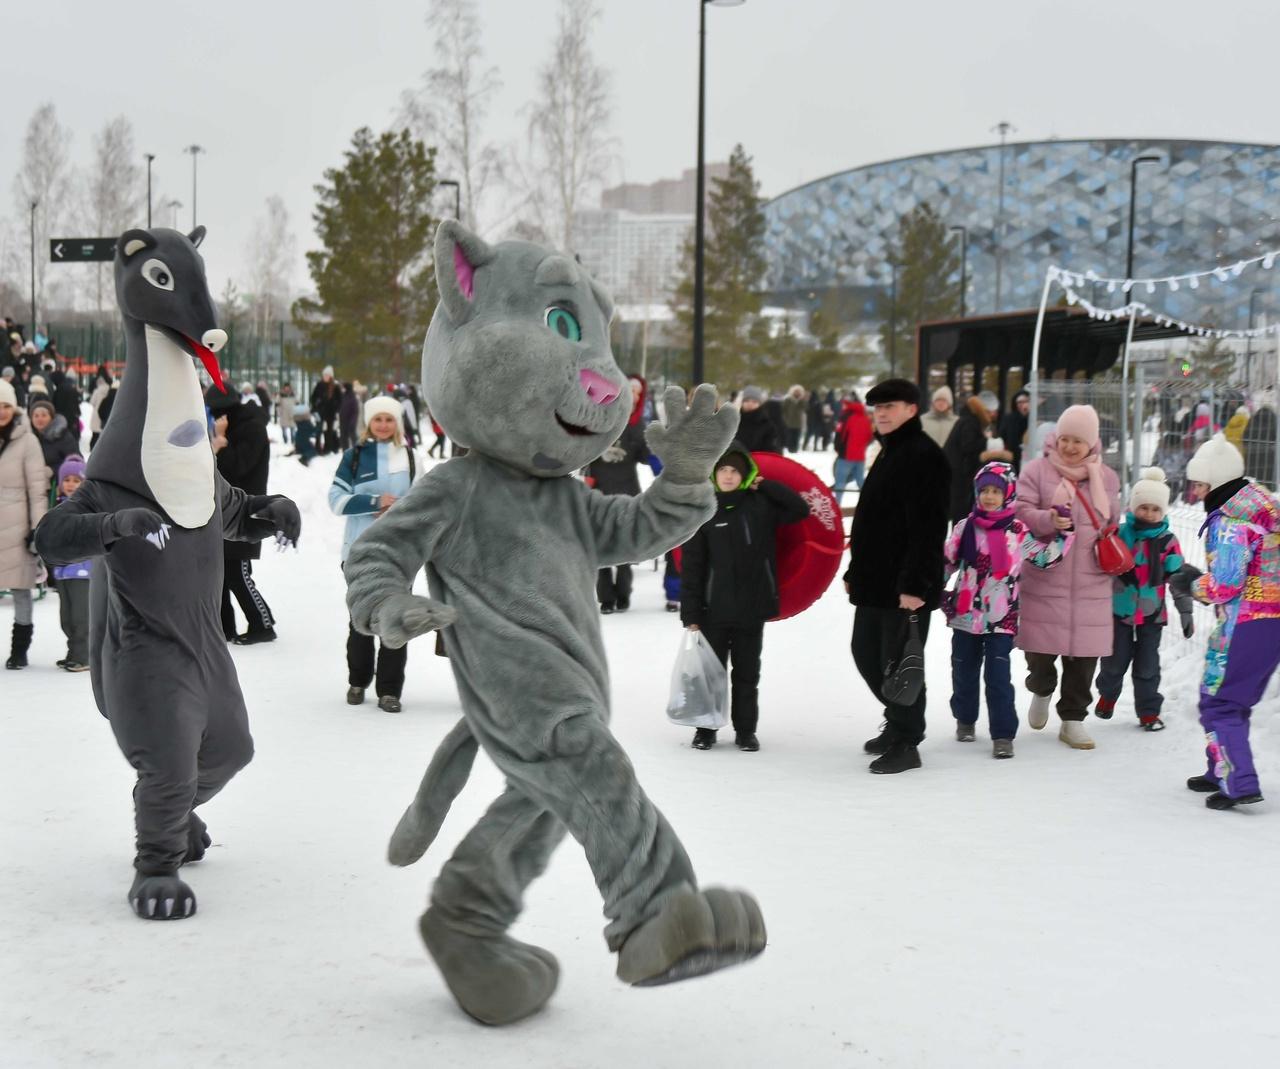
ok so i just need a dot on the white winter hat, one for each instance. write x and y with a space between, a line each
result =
384 405
8 396
1216 462
1151 489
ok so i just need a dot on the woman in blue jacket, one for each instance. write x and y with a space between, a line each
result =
372 475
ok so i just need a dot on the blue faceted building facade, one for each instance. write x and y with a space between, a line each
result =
1203 204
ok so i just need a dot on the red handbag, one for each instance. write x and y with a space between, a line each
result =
1112 555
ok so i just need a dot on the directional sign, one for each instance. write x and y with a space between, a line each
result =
81 250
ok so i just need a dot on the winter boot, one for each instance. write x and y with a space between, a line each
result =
704 739
389 703
1105 708
21 643
697 932
1151 723
495 979
964 732
746 740
198 840
355 695
1218 800
1074 735
1038 714
1002 748
1203 784
880 744
161 898
900 757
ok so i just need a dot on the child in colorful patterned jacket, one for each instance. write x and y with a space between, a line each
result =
1139 603
987 549
1243 585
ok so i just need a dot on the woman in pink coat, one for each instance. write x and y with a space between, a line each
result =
1066 611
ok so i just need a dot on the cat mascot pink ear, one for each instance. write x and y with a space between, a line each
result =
459 255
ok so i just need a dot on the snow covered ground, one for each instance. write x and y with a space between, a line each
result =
1062 909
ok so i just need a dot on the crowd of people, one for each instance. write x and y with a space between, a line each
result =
1006 544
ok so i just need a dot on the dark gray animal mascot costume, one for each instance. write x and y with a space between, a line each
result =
517 368
155 509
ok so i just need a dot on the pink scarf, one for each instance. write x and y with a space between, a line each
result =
1091 471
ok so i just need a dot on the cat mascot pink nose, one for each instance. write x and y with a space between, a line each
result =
598 388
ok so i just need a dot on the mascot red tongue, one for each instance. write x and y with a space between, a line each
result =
209 360
809 552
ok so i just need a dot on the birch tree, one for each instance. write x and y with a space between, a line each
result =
46 177
449 108
272 252
114 197
568 151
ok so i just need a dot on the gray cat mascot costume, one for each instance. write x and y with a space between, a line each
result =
517 367
154 508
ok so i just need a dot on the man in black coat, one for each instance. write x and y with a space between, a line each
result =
1013 426
895 559
757 430
728 580
244 458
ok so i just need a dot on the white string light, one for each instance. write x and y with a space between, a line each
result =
1222 273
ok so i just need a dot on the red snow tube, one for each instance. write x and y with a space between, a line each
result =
809 552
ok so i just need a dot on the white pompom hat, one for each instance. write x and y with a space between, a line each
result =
1150 489
1217 462
384 405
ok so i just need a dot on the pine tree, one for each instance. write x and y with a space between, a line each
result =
373 276
926 263
734 334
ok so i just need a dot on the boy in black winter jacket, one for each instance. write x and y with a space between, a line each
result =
728 580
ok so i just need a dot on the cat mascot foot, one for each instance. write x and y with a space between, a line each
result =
161 898
696 933
495 979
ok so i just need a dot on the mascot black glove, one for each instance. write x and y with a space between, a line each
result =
1180 581
281 515
136 523
1188 625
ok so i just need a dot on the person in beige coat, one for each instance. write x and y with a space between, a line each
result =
941 417
24 499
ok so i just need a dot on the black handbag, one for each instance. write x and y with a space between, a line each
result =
904 676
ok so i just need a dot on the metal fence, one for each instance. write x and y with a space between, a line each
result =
1164 421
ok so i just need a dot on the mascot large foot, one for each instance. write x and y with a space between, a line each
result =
496 979
696 933
198 840
161 898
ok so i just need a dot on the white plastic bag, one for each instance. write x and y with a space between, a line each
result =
699 686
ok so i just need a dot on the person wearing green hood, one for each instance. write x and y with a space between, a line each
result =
729 584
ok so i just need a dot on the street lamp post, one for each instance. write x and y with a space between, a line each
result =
964 258
1133 200
32 328
195 151
150 156
457 195
699 228
1004 129
173 205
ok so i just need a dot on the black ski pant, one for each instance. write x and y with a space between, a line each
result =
1138 646
237 582
743 646
1077 682
613 586
385 669
878 635
73 613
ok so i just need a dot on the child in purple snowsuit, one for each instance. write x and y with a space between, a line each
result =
73 582
1243 584
987 548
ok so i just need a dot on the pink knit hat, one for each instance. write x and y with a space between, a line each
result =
1079 421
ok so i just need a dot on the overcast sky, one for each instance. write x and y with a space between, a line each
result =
274 91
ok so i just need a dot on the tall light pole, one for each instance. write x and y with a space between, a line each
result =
457 195
964 263
150 156
195 151
31 331
1133 200
1004 129
173 205
699 228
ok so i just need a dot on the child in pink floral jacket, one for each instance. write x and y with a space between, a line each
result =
987 548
